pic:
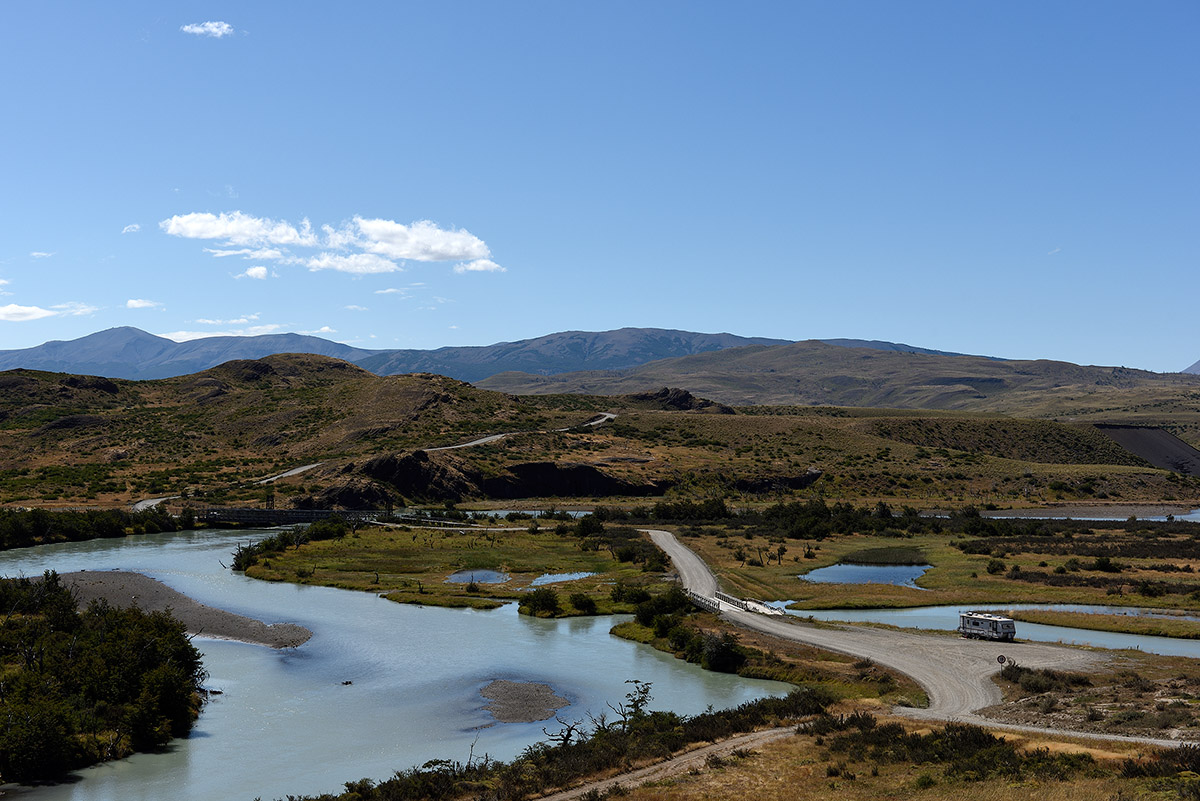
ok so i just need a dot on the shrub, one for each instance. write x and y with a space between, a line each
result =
583 603
543 600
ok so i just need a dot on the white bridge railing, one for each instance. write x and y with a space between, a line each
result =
704 602
714 604
737 602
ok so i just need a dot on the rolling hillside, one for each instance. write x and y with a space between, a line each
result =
814 373
213 436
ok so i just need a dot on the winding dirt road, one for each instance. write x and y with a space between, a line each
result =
955 673
603 417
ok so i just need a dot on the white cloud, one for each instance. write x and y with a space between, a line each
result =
357 263
247 253
366 246
39 254
245 318
132 228
236 228
354 307
138 303
391 291
252 331
215 30
18 314
322 330
340 238
479 266
421 241
74 309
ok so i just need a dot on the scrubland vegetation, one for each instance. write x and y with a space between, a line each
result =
68 440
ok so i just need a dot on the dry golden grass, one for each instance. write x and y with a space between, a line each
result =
797 768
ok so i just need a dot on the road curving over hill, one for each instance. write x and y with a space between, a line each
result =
955 673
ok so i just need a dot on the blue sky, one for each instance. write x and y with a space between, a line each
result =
1016 179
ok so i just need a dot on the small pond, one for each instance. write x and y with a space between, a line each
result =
477 576
901 575
554 578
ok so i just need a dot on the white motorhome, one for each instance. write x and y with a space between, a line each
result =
986 626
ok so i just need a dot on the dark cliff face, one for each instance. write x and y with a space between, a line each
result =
418 475
421 476
567 480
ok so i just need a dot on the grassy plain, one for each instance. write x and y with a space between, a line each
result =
412 565
956 577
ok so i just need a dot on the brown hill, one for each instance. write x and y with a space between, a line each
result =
813 373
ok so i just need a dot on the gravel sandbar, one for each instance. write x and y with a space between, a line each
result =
123 589
521 701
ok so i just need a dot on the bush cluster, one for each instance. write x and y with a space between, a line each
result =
21 528
328 529
968 752
1042 680
84 687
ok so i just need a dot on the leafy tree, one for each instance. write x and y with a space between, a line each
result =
543 600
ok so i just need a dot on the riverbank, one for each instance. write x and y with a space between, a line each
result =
123 589
1126 624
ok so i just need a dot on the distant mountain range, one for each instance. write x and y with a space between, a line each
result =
726 368
816 373
132 353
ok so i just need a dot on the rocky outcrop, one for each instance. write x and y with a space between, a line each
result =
675 399
419 475
357 493
770 484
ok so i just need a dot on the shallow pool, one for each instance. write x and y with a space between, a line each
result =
554 578
901 575
477 576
